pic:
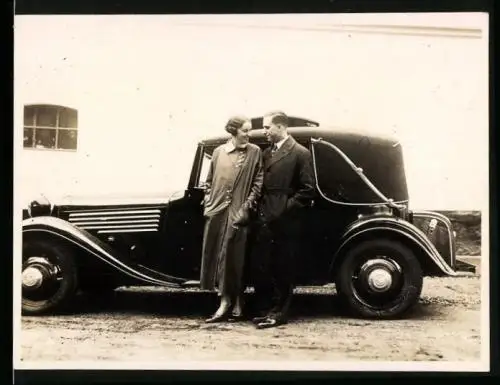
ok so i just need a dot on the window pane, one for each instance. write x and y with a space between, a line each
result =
28 137
45 138
205 166
46 116
68 118
67 139
29 115
344 184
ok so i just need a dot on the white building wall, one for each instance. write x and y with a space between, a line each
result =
145 92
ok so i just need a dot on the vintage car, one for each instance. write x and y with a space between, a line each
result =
359 232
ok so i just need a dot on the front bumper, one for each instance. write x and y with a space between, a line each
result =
465 266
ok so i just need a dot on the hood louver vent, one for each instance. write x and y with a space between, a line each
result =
121 220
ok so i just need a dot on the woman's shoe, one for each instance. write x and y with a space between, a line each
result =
237 316
237 312
220 316
217 318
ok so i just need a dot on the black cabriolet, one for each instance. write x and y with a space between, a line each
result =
359 232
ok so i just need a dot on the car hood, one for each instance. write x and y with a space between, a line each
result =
161 197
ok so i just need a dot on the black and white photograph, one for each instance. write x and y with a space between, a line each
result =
252 191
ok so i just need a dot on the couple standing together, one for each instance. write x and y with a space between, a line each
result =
255 194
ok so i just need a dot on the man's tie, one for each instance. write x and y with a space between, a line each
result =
274 149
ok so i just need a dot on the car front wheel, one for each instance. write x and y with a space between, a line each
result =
49 277
380 278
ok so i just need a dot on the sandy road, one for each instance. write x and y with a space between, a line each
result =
139 325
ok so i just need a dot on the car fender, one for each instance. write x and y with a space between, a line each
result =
92 245
392 227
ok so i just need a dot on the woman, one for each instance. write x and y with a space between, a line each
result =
233 185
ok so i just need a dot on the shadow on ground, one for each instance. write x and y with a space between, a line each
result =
202 304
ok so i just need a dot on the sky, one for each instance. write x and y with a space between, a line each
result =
178 79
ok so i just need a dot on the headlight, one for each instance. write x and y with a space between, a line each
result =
40 206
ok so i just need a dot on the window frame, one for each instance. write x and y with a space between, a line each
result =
34 127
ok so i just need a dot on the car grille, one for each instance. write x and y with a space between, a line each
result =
439 231
121 220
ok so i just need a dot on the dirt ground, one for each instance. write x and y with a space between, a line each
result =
141 325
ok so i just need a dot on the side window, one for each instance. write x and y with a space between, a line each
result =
50 127
337 180
205 166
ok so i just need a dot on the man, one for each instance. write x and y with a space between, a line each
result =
288 187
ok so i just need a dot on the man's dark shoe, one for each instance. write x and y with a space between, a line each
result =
257 320
270 323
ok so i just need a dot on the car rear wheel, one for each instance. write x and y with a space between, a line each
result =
380 278
49 277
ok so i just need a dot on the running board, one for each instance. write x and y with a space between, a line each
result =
168 279
197 284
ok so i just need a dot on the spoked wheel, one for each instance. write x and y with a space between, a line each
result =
380 279
49 277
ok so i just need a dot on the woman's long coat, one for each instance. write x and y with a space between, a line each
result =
234 184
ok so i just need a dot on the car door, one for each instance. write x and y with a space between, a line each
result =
184 223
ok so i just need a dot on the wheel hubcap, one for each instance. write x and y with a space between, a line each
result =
379 275
379 280
32 278
39 277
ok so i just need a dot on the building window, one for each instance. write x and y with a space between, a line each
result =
50 127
